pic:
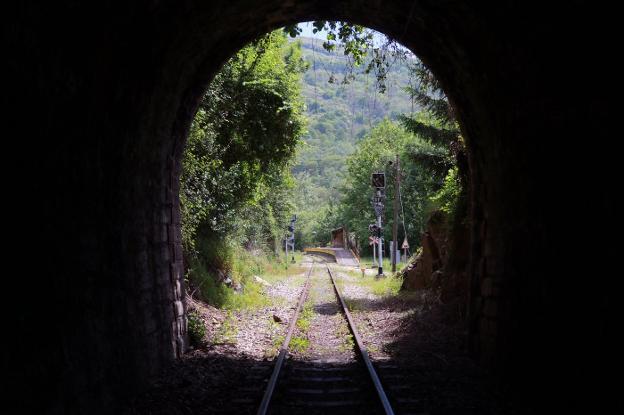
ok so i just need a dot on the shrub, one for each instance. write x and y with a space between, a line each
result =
196 328
447 199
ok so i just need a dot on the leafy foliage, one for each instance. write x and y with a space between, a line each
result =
243 136
447 198
437 135
196 328
339 117
429 156
354 39
240 186
377 152
338 192
436 123
356 43
237 189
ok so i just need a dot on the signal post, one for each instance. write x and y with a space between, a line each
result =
378 181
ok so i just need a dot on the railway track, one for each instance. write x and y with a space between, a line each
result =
297 387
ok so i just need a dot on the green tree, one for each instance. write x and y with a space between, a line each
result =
437 124
235 182
377 152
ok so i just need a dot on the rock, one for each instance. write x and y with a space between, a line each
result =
227 281
415 277
261 281
427 265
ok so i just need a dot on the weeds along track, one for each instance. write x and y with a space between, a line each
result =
330 382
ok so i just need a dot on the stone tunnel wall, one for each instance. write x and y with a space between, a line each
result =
100 98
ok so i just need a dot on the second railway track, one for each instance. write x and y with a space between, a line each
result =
325 386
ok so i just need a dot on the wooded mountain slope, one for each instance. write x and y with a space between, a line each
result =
340 114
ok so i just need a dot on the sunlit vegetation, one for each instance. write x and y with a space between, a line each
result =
196 328
243 292
237 189
380 286
227 331
340 115
366 261
277 341
297 127
305 319
299 344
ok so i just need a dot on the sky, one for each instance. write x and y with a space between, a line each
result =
307 32
307 27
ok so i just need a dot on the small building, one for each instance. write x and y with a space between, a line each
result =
338 238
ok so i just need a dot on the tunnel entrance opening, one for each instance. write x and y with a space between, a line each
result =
478 294
321 343
238 360
119 103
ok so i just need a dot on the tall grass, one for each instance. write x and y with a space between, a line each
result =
367 262
240 265
389 285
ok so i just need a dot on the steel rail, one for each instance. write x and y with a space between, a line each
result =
362 350
268 393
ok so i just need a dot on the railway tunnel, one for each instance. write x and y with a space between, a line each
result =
99 98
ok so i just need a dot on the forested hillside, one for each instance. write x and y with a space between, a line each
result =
340 114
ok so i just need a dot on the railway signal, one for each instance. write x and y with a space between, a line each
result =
374 229
290 238
395 220
378 181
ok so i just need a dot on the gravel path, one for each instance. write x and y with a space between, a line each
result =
329 338
227 374
417 349
256 333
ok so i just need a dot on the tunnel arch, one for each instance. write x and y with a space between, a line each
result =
118 87
445 47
